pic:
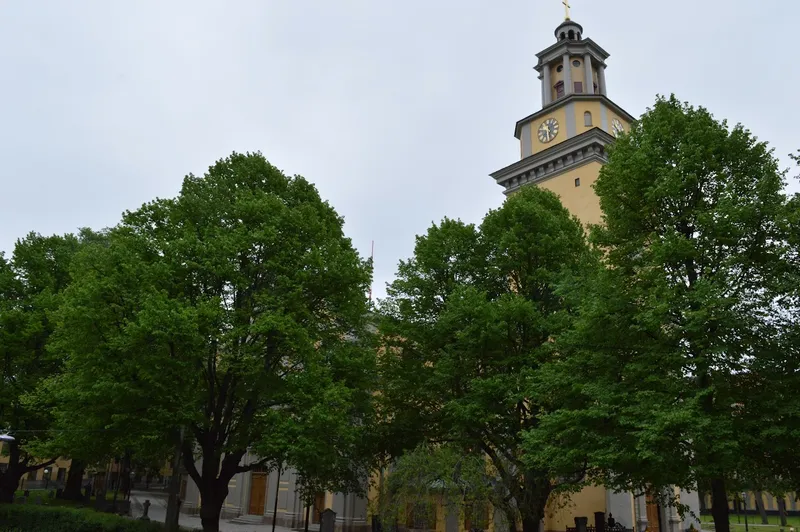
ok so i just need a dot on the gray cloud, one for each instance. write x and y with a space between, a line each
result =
396 110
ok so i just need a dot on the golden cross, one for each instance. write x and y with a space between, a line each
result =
566 9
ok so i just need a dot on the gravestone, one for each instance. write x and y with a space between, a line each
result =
327 520
38 500
581 523
600 521
145 509
21 500
100 502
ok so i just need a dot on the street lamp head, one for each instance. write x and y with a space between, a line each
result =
6 437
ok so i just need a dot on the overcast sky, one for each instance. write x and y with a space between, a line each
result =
396 110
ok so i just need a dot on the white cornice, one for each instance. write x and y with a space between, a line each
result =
567 155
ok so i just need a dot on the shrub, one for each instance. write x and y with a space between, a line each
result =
30 518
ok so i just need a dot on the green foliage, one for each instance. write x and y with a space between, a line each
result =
30 518
430 475
230 311
469 323
660 380
31 286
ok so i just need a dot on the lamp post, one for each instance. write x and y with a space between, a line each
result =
744 507
46 477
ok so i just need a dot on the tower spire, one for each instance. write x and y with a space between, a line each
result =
566 9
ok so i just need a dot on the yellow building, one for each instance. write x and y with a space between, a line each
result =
53 476
562 148
563 145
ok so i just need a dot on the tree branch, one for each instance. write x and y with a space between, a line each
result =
36 467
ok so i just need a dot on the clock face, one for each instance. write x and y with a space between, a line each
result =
616 126
548 130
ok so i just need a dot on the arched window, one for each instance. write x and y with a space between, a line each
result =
587 118
571 35
563 36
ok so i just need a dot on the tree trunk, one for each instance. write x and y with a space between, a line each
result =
173 504
213 483
9 480
530 524
511 517
719 505
760 507
211 509
125 481
72 488
782 509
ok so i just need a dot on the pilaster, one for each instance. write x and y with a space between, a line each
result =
589 80
567 68
547 86
601 79
641 512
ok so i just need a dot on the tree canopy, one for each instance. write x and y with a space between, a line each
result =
232 310
31 286
659 382
469 323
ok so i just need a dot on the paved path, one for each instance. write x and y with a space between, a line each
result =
158 512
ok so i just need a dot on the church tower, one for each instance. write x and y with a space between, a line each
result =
563 145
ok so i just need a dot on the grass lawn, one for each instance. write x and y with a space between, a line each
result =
754 523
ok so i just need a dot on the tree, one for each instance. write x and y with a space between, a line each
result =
31 284
215 311
659 379
443 474
469 323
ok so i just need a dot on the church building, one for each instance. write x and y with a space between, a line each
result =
562 148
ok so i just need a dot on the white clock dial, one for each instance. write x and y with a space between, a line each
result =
616 126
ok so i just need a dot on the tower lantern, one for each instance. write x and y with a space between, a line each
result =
563 144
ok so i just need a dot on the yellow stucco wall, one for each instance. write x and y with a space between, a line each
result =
580 108
580 201
555 77
561 512
560 115
61 464
578 72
